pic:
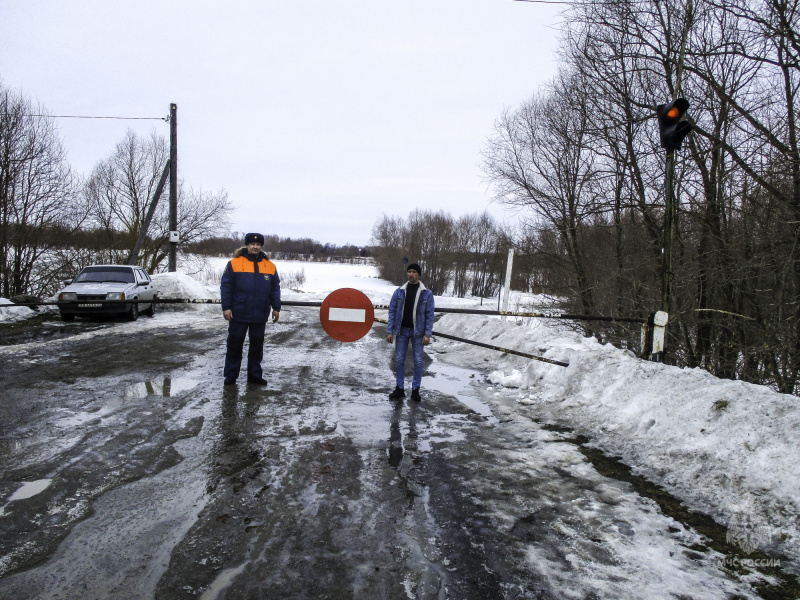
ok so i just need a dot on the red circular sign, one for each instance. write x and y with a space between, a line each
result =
347 315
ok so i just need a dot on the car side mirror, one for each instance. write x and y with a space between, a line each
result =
67 281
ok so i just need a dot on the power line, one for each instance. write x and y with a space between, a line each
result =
545 1
95 117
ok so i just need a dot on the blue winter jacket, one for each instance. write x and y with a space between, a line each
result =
250 287
423 311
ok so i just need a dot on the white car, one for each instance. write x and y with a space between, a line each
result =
88 294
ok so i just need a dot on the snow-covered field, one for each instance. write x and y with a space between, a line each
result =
726 448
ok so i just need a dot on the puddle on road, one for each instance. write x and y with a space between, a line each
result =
407 435
162 386
455 381
77 419
10 446
28 490
223 582
441 429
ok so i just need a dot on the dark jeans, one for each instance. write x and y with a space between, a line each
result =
233 358
407 334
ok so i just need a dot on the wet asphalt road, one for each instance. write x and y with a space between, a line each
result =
159 482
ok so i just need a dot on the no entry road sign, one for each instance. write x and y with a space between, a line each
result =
346 315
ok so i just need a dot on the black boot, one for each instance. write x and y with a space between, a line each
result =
257 380
230 380
415 394
397 393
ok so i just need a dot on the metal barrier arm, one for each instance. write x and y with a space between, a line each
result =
490 347
462 311
139 301
545 315
318 304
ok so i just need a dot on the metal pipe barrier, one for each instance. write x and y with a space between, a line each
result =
490 347
462 311
378 306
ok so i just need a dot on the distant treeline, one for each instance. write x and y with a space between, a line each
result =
285 247
461 256
59 237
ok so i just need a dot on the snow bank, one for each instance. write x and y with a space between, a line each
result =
514 380
180 285
721 446
12 314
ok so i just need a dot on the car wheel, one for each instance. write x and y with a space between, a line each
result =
67 317
133 312
151 312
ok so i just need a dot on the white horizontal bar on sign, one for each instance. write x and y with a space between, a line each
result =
353 315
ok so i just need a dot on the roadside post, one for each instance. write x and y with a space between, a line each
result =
653 334
507 283
483 277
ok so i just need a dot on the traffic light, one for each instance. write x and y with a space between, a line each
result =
672 129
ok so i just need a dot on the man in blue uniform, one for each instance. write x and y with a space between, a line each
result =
410 319
250 287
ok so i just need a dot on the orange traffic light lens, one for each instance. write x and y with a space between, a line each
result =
673 113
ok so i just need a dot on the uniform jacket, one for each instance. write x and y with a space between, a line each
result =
250 287
423 311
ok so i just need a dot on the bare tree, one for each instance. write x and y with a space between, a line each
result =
485 255
120 191
430 237
37 197
389 238
463 239
539 160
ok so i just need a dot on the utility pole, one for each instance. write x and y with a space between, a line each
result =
173 187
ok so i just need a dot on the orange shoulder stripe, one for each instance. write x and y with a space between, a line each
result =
242 264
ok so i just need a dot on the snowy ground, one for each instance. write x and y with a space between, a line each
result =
726 448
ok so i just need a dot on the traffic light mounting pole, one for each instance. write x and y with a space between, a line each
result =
672 130
669 212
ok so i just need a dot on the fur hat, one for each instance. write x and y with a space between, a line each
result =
254 238
416 267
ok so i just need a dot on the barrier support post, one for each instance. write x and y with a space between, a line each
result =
653 335
507 283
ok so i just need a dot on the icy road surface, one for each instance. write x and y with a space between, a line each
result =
128 471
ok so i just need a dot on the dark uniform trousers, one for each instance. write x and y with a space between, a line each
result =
233 358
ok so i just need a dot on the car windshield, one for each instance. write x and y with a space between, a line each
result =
105 274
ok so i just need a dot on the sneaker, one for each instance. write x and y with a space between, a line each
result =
257 380
230 380
415 395
397 393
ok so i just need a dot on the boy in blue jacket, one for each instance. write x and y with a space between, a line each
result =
249 289
410 319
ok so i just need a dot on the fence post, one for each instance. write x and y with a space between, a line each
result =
653 335
507 284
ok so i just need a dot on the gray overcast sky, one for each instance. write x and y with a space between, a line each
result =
316 116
